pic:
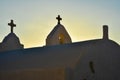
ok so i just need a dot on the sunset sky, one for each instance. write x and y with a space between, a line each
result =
83 19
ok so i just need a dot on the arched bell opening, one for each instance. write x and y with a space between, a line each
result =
61 39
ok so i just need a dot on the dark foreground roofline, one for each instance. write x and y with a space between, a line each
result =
81 44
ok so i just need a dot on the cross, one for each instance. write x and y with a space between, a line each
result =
12 25
59 19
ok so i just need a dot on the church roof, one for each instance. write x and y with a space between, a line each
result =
11 36
11 41
56 28
67 55
59 27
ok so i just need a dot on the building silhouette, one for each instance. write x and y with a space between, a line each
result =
97 59
11 41
58 35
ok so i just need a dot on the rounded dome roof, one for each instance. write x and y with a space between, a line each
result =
56 28
11 38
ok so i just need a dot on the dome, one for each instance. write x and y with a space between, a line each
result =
58 35
11 38
10 42
57 28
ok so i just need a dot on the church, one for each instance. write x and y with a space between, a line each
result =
60 58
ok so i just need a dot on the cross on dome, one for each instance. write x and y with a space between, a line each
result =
59 19
12 25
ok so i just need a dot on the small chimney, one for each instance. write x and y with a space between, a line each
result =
105 32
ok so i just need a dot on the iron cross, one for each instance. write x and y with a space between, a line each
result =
59 19
12 25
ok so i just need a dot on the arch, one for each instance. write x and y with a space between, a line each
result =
61 38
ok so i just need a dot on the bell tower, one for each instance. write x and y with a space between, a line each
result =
58 35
